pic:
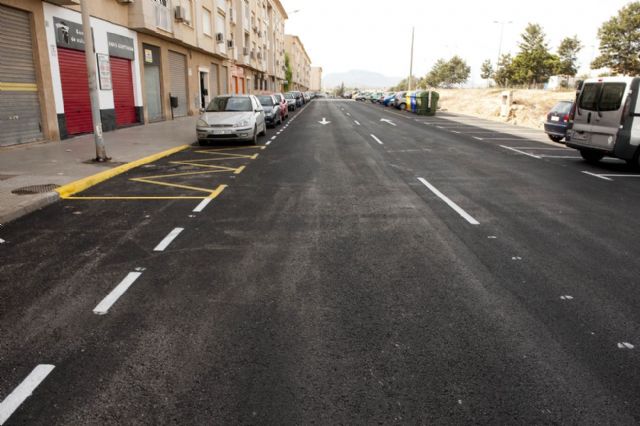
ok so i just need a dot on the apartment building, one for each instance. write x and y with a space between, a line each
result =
316 79
156 60
300 63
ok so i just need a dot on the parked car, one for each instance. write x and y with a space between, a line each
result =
291 101
284 105
360 97
604 120
387 101
234 117
558 121
306 96
400 101
272 113
299 98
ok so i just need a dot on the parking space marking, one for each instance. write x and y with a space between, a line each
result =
24 390
521 152
377 140
168 239
449 202
596 175
103 307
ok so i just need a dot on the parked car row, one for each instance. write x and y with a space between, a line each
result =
246 117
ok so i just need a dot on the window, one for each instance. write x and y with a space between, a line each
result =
187 9
611 96
206 22
589 96
220 28
163 15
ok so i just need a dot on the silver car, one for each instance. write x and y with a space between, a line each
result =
232 117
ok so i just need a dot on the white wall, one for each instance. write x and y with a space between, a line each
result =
100 30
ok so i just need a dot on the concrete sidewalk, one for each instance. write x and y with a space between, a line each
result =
60 163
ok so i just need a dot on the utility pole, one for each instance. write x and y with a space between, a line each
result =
413 30
101 151
502 24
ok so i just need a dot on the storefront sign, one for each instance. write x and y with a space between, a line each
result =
68 34
148 56
104 71
120 46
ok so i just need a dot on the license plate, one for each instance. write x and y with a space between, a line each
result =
220 132
555 118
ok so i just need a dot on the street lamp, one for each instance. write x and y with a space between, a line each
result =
502 24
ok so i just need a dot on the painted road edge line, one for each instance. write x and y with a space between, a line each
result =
450 203
80 185
377 140
521 152
23 391
168 239
596 175
103 307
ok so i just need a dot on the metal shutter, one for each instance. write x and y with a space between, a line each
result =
178 77
75 91
122 81
20 118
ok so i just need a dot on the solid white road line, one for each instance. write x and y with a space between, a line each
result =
521 152
204 203
596 175
450 203
168 239
376 139
23 391
480 139
103 307
621 176
357 122
573 157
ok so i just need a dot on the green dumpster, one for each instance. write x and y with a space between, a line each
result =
428 103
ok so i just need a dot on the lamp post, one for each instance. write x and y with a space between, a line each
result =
413 31
502 24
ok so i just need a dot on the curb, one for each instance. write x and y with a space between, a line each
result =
47 199
80 185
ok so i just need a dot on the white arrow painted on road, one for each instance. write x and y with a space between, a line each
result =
386 120
324 121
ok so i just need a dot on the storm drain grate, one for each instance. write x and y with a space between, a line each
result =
35 189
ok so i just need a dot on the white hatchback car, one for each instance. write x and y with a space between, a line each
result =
232 117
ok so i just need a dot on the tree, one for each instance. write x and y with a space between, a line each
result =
503 75
448 73
288 73
620 42
568 56
340 91
534 63
486 70
403 85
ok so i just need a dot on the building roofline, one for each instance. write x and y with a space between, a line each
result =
282 9
301 45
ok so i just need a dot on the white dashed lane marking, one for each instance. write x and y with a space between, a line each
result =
168 239
23 391
103 307
449 202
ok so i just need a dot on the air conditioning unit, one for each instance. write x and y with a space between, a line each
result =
180 14
245 51
230 44
219 37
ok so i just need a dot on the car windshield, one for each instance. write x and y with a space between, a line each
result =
266 100
229 104
289 96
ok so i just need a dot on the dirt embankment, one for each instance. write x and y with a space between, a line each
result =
529 107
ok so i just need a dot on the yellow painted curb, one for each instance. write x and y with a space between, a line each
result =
72 188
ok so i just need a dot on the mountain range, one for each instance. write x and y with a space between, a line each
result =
359 79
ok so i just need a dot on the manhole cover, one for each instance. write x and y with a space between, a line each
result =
35 189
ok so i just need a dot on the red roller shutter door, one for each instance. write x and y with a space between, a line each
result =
75 91
122 82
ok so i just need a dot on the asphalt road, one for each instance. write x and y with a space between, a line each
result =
419 270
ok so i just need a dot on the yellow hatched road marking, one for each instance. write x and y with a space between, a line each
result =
173 185
212 195
231 149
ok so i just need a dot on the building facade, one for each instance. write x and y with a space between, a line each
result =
316 79
156 60
300 63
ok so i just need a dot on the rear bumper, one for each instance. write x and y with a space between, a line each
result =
554 129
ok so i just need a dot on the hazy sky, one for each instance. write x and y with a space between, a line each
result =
375 35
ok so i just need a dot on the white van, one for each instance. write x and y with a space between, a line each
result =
606 120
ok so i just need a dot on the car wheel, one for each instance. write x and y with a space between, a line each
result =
403 107
254 139
591 156
555 138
